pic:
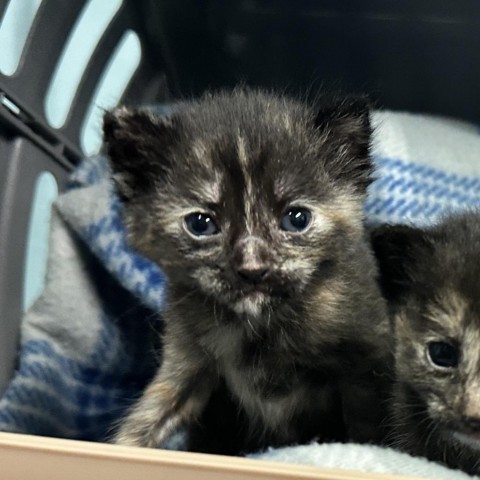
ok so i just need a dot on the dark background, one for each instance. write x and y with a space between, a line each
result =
419 55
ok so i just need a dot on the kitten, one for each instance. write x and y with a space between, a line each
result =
252 205
431 278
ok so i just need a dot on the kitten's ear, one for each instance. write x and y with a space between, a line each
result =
397 249
346 121
137 144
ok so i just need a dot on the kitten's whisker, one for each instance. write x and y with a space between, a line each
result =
252 328
180 300
432 431
269 313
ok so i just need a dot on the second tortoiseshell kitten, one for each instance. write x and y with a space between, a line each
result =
252 205
432 280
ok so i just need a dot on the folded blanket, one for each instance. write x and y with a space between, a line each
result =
426 166
88 344
363 458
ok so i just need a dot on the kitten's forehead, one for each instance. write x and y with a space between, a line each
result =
259 162
250 157
250 176
471 348
207 183
451 315
249 198
443 315
447 312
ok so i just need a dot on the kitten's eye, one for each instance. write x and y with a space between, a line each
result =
200 224
443 354
296 219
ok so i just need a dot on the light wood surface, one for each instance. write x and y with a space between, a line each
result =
25 457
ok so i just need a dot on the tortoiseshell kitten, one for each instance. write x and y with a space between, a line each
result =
432 280
252 205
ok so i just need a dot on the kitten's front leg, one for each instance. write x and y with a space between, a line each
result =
176 397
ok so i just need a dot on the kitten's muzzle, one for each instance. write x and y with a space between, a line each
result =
465 429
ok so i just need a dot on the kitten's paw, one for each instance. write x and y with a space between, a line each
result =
135 439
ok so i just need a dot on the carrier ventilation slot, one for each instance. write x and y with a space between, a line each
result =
114 80
15 26
46 191
87 32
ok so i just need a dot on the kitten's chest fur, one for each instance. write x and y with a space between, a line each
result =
273 380
276 391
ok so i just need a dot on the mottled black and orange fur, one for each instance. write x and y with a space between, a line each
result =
301 355
431 279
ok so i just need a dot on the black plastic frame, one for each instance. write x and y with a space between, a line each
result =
29 146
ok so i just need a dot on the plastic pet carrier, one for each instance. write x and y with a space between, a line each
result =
64 62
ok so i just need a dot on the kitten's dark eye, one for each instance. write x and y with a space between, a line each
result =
201 224
296 219
443 354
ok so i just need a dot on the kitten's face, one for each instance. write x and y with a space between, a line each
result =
438 356
250 233
244 199
432 279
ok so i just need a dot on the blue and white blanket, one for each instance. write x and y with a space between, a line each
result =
86 344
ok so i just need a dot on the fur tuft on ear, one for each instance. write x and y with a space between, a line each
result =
137 143
350 112
397 249
346 121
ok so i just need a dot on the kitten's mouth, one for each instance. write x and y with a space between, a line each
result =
255 301
261 293
267 290
255 296
471 440
256 290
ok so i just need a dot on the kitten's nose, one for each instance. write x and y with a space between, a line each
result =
253 274
251 259
472 422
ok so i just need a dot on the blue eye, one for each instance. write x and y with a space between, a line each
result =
201 224
443 354
296 219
